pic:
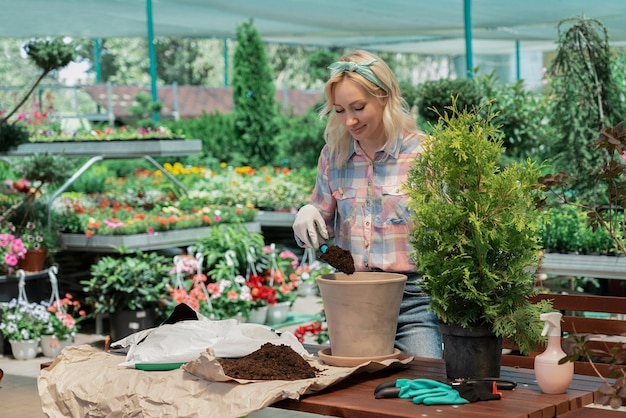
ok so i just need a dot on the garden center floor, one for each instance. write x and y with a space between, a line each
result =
19 397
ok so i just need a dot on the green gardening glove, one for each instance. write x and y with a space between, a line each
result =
429 392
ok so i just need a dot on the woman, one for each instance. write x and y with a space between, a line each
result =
371 142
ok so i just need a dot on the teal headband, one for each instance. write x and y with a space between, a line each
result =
361 68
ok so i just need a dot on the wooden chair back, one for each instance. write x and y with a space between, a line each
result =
602 318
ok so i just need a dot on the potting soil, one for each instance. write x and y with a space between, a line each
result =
270 362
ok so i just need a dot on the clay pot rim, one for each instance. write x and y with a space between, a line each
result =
362 277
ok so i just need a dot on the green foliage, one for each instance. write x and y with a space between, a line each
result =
127 282
476 226
521 117
93 180
217 132
12 135
434 97
48 55
300 139
606 210
42 171
586 98
409 92
318 62
237 238
176 63
565 229
144 110
44 168
254 94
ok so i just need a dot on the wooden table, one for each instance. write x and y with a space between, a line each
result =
354 397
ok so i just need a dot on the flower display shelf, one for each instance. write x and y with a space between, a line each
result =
596 266
123 149
275 218
142 242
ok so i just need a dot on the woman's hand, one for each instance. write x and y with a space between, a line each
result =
309 227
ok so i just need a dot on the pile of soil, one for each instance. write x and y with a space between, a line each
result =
339 258
270 362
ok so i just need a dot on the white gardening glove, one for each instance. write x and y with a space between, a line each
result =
309 227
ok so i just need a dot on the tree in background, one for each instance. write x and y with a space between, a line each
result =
49 55
255 109
586 98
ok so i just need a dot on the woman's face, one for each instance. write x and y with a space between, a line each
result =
360 112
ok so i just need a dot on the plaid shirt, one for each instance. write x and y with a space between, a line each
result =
372 214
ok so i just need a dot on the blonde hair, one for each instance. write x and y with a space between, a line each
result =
397 117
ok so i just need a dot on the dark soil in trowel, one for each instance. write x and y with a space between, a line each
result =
339 258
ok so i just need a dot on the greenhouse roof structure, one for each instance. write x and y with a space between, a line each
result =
418 26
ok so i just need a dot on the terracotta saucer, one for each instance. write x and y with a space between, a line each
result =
331 360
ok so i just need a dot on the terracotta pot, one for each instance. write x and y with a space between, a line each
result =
33 261
362 312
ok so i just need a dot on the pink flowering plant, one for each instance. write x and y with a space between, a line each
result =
189 287
33 236
229 297
21 320
223 295
12 249
281 273
64 317
309 272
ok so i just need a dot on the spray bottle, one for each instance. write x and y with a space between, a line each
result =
552 377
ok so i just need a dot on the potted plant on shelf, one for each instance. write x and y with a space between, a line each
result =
476 240
129 288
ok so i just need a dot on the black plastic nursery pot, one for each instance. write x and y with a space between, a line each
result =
124 323
470 352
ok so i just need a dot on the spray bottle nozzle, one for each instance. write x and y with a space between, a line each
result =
552 325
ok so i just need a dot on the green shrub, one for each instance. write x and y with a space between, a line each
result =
521 115
438 94
300 140
127 282
565 230
217 133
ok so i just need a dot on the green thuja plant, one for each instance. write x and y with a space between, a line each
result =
476 235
